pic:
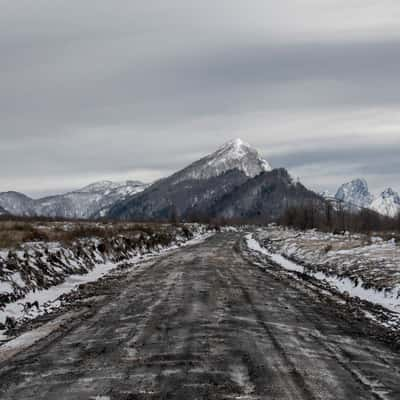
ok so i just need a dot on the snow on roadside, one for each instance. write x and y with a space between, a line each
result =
254 245
372 259
27 339
46 300
386 299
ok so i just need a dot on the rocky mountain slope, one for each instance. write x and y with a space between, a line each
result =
357 195
387 203
190 198
234 182
17 203
233 155
192 191
3 211
94 199
266 196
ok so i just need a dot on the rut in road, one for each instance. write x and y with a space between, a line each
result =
204 323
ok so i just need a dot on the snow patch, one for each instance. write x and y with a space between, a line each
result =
385 299
39 301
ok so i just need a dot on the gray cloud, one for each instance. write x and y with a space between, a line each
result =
325 167
140 89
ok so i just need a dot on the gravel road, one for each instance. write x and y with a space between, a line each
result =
205 323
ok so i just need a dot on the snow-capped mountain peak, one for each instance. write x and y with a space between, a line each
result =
92 200
387 203
235 154
17 203
355 193
326 194
100 186
106 187
237 149
389 192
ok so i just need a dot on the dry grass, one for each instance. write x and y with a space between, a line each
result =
14 233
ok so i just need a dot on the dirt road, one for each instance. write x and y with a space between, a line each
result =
204 323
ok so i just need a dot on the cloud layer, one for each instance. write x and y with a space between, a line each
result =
129 89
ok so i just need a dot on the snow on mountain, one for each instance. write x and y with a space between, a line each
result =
355 193
194 190
326 194
88 201
118 192
101 186
235 154
387 203
3 211
94 199
106 187
17 203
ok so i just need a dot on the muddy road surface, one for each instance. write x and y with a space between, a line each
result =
204 322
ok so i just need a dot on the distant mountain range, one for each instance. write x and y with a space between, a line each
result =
234 182
356 194
95 199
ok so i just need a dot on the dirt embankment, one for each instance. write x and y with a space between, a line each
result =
38 265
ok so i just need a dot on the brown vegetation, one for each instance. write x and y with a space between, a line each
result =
16 231
335 218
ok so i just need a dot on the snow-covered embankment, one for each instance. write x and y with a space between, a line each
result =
33 277
388 299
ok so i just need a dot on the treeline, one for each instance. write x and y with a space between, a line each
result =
336 218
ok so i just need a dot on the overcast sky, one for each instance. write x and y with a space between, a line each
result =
132 89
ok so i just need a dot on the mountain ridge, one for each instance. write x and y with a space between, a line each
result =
235 154
356 194
387 203
233 182
83 203
238 173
